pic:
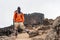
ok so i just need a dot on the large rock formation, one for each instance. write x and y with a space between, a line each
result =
34 18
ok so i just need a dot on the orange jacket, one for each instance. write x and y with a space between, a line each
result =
18 17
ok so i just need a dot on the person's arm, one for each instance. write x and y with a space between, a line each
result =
14 17
23 17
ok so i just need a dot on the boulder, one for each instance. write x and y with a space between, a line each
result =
56 26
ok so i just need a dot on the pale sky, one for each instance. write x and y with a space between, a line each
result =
51 9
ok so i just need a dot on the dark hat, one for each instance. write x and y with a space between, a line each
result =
19 10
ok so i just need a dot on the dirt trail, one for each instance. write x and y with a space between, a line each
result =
23 36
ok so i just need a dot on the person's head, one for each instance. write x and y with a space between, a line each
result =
19 10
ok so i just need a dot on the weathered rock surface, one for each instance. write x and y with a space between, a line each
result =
47 31
34 18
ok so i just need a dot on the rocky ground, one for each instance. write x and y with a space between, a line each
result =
47 31
40 34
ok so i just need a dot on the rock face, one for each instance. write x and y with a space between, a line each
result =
57 21
56 26
47 21
6 31
34 18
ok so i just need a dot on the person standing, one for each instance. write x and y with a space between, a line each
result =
18 19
